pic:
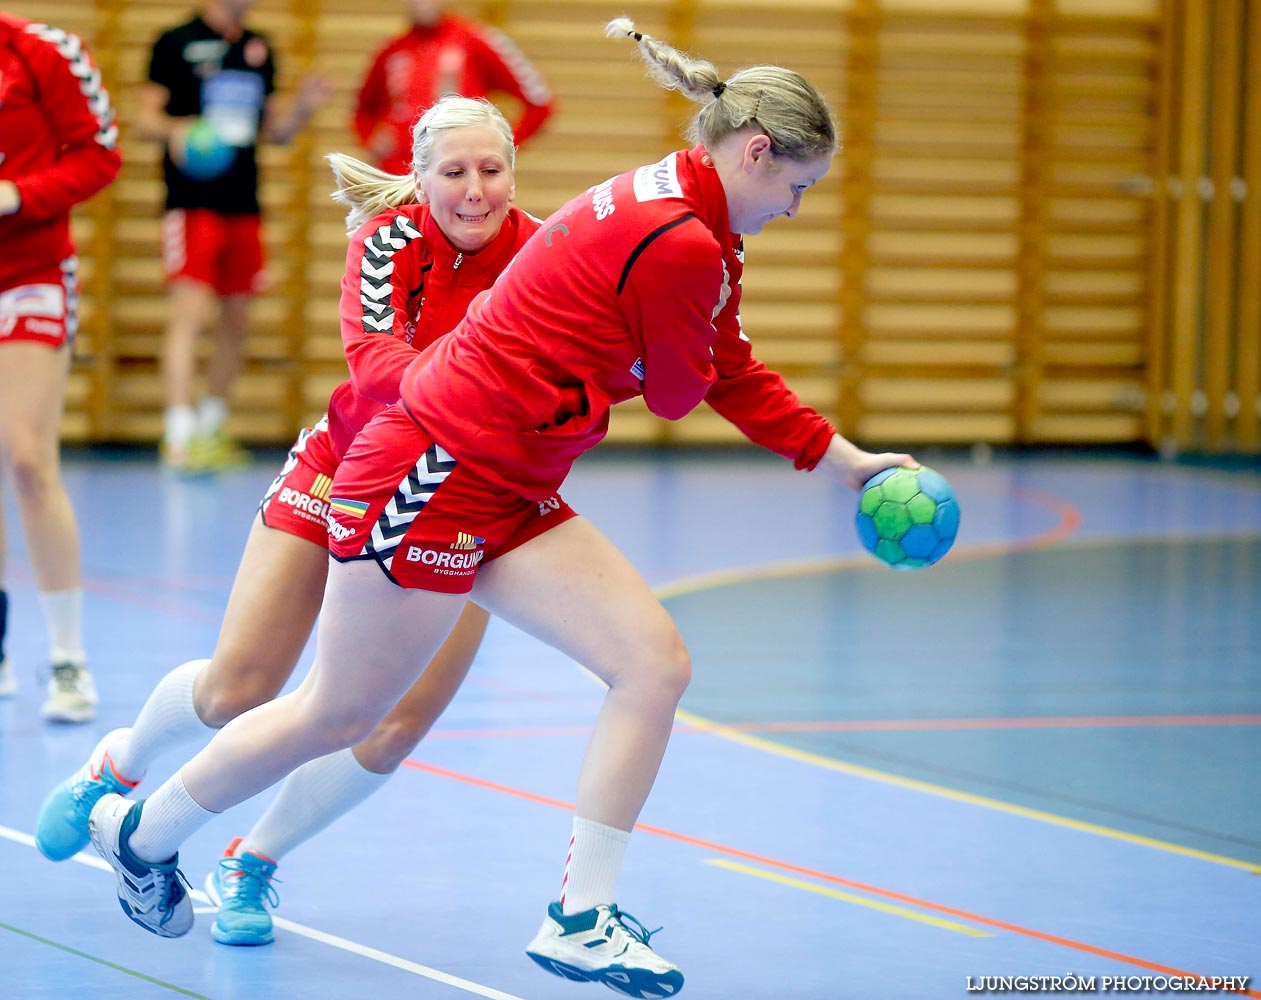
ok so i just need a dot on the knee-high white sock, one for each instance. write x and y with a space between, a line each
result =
312 797
170 816
63 617
167 720
591 870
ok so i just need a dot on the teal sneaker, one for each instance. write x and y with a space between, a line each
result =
241 888
600 945
153 895
61 831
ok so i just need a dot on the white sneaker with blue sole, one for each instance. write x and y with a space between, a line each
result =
153 895
600 945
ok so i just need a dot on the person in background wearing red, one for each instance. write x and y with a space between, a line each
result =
58 147
441 54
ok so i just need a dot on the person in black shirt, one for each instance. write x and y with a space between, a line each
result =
212 71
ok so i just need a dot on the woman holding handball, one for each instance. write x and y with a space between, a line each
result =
632 288
442 251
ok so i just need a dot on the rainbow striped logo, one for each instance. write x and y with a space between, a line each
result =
465 542
353 508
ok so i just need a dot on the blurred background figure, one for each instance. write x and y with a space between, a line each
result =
210 97
442 54
58 147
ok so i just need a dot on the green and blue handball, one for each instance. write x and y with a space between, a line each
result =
908 518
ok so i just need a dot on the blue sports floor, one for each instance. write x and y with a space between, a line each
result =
1040 757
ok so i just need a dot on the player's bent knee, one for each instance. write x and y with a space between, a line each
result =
33 475
389 744
219 703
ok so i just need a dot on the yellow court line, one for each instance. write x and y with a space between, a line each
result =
847 897
871 774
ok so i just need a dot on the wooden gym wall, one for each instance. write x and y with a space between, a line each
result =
996 256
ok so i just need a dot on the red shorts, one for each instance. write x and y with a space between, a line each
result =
297 499
44 308
222 251
400 499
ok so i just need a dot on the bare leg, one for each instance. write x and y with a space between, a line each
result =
32 391
275 600
321 790
374 639
573 589
190 307
225 360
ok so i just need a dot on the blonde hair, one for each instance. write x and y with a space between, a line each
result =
369 190
779 102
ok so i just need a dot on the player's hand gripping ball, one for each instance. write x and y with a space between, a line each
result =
204 155
908 518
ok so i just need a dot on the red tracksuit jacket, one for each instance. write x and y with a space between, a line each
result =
404 287
454 56
632 288
57 141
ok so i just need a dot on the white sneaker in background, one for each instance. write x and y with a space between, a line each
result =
71 694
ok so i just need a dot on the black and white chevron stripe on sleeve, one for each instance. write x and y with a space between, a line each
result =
376 270
71 49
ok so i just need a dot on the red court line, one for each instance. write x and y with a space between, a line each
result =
872 890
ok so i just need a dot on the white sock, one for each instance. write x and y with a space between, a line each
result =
166 720
595 859
169 818
63 617
179 425
212 414
312 797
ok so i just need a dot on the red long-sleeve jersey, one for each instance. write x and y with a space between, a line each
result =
404 287
57 141
632 288
453 56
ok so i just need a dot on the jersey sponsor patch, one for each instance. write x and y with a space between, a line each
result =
658 180
44 301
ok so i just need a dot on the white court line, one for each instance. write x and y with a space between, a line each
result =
332 940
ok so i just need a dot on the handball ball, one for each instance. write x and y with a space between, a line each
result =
206 155
908 517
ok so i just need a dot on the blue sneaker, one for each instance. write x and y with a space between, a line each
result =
61 831
154 896
600 946
241 888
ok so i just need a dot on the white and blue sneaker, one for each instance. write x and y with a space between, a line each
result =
61 831
152 895
600 946
241 887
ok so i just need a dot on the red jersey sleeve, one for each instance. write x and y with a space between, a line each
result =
376 286
81 119
506 68
671 289
759 402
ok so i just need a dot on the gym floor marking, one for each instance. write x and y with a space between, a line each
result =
897 911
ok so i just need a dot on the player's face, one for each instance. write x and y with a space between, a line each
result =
469 185
770 186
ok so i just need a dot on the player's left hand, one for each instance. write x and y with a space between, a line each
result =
850 465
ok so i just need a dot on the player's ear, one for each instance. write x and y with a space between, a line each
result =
421 197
